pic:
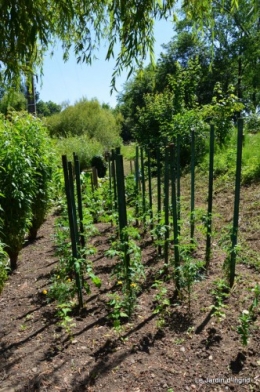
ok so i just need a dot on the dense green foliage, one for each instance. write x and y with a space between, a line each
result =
87 128
199 79
12 100
86 118
45 109
83 146
28 28
225 159
24 175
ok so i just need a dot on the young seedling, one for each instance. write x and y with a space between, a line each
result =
220 293
247 317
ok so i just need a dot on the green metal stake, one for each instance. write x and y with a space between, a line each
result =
192 217
175 219
150 187
79 199
73 227
113 172
210 197
122 214
159 202
110 181
137 179
178 174
73 203
143 185
166 205
236 202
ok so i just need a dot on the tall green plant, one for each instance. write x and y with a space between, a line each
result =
22 164
42 162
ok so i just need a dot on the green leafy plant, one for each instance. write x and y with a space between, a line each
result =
247 317
17 184
159 230
220 294
161 301
25 160
128 279
188 273
119 312
42 161
63 313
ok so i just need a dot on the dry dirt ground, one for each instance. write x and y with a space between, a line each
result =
192 351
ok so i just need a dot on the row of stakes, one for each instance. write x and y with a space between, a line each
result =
168 180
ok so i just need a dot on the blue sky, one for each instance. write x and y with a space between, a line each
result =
71 81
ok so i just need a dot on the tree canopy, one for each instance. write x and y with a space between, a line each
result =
29 27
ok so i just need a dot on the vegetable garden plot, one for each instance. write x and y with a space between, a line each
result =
168 343
133 207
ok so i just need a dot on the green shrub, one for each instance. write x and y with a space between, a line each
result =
87 118
84 148
23 198
225 159
251 159
252 123
42 158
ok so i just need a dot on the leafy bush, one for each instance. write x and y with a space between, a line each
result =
24 155
37 138
221 112
182 125
251 159
12 100
84 148
252 123
225 159
86 118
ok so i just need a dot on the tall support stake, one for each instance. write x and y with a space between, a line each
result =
159 202
175 219
192 212
79 199
143 185
73 202
137 180
166 205
178 174
73 227
150 187
122 214
210 197
113 174
236 203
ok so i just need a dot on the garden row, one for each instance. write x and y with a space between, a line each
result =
146 202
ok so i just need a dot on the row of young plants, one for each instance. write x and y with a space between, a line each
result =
26 162
74 275
168 230
126 203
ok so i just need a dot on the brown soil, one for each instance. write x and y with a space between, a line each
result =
184 354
